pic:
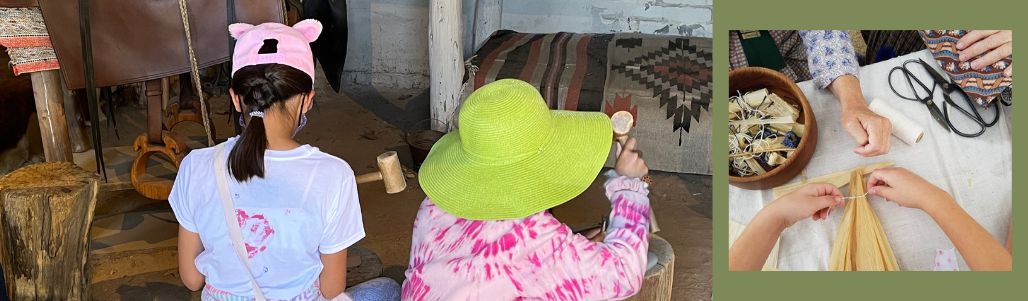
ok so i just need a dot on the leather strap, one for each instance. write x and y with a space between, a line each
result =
228 209
94 111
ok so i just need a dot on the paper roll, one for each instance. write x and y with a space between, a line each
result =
903 127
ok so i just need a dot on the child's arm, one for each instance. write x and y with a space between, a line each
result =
333 276
750 250
189 246
979 249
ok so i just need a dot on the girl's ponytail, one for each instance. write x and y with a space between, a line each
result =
259 87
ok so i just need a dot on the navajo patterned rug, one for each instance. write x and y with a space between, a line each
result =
664 81
23 33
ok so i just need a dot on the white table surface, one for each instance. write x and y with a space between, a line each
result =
976 171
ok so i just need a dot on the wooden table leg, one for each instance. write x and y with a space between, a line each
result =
53 125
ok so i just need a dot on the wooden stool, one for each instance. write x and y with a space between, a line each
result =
45 213
658 279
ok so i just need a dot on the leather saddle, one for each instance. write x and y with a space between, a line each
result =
135 41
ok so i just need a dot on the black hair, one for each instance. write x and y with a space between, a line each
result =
259 87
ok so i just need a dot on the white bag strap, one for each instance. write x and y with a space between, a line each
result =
221 174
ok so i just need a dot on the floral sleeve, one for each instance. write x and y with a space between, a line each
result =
829 55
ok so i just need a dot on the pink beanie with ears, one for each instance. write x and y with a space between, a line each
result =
275 43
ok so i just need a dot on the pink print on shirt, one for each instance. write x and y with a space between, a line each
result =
256 231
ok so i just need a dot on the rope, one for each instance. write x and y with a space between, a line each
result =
195 71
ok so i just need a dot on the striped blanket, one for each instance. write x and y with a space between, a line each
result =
22 31
664 81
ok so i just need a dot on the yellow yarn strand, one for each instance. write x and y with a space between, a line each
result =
860 243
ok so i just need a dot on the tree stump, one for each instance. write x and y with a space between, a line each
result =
45 213
658 279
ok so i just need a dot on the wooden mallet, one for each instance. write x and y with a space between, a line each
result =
389 172
622 122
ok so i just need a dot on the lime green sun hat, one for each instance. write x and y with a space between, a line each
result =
512 156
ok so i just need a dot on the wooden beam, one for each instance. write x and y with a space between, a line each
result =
53 125
445 60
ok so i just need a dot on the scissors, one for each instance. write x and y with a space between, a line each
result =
942 116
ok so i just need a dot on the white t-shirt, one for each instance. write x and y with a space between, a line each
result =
305 205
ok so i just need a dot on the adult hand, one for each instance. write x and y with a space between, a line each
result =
811 200
907 189
630 162
991 45
871 131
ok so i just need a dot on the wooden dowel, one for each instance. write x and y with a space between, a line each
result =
369 177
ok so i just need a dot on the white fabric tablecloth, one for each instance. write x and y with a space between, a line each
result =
976 171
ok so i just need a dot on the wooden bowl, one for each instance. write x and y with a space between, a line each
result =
755 78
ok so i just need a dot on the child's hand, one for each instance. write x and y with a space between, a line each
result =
907 189
630 162
811 200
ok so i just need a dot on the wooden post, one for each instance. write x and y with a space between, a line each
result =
46 210
445 60
657 282
53 127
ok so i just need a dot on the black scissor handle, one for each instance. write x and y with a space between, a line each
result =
910 82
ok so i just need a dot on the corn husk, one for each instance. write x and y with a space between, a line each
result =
860 242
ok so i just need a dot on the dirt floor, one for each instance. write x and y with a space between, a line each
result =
352 129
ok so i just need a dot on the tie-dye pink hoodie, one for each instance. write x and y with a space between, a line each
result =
533 258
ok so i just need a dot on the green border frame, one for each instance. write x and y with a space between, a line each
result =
864 14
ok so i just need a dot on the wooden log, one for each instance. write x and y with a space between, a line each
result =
445 60
46 211
53 125
658 279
